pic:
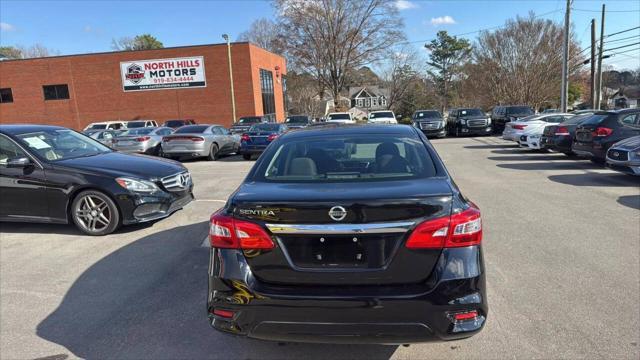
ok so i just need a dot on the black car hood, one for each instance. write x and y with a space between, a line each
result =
119 164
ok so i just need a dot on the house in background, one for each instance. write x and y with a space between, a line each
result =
625 97
368 98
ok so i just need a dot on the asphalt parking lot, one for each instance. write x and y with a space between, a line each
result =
562 249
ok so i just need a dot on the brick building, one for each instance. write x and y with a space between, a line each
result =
190 82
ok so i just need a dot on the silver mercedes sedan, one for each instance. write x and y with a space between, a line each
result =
144 140
208 141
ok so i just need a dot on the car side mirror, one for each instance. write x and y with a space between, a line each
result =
18 162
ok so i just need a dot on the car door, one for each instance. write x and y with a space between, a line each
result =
630 126
222 139
23 188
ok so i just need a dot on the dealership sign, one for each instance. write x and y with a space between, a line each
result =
163 74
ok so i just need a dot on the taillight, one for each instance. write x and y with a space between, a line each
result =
143 138
272 137
562 131
229 233
196 139
519 127
165 139
602 132
245 137
462 229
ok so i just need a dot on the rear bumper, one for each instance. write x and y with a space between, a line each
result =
195 150
132 149
343 314
591 150
251 149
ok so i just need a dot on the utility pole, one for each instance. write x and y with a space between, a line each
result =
565 59
233 96
599 75
593 64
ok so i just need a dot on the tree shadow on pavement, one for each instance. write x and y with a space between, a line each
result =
62 229
147 300
493 146
632 201
526 156
596 179
574 165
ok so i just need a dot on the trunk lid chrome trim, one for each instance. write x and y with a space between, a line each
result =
337 229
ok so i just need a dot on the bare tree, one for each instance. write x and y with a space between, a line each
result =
399 73
264 33
521 63
140 42
304 94
330 38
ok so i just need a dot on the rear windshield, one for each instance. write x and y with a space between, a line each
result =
297 119
471 112
141 131
427 114
519 110
265 127
386 114
362 157
135 124
191 129
98 126
338 117
174 123
250 120
595 119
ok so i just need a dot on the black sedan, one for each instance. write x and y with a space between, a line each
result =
560 137
55 175
258 137
352 234
598 133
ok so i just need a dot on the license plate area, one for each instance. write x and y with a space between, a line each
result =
340 251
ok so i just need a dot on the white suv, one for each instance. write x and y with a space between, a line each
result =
106 125
382 117
340 117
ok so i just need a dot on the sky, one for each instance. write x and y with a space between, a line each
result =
74 27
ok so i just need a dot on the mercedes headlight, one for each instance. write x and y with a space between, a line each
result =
137 185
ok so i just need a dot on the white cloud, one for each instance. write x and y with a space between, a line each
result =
405 4
442 20
6 27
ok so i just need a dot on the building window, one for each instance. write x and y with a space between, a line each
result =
374 101
360 103
268 99
6 96
56 92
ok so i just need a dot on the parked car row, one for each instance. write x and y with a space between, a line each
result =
610 138
122 125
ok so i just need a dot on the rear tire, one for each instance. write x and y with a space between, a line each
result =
213 153
246 156
94 213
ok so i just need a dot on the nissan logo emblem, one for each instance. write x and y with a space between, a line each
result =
337 213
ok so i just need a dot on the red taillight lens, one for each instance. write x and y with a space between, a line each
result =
465 316
223 313
519 127
561 130
229 233
197 139
245 137
602 132
164 139
272 137
430 234
462 229
143 138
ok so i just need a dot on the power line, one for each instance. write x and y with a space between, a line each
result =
607 11
623 46
620 32
626 51
477 31
622 39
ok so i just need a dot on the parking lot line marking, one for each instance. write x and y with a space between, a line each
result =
205 242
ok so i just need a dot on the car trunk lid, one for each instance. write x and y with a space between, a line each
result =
324 239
